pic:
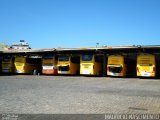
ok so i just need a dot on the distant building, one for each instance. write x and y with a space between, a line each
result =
3 46
22 45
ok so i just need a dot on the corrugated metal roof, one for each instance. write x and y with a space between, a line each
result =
82 49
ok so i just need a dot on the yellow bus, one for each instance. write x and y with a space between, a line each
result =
8 64
68 64
91 64
116 65
49 65
27 65
146 65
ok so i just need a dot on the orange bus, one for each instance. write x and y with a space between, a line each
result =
49 65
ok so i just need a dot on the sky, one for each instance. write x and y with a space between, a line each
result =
80 23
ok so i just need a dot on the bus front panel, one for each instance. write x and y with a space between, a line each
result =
68 64
64 68
116 66
86 65
86 68
63 64
49 66
91 64
146 66
20 64
7 64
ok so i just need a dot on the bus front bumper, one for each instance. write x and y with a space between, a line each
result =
50 71
146 74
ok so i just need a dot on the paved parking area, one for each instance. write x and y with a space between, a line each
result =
69 94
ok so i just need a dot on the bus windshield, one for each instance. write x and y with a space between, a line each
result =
20 59
87 57
146 64
6 58
47 64
115 69
63 58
